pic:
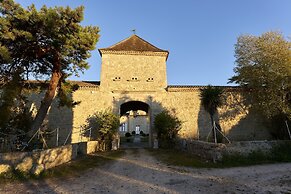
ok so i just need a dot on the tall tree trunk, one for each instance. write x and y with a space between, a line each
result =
49 96
213 129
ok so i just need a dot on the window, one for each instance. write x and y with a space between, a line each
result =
137 129
117 79
122 127
133 79
150 79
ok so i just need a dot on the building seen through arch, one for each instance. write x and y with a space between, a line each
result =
134 116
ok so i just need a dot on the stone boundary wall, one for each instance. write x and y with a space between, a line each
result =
215 152
39 160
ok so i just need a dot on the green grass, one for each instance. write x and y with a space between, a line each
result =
72 168
280 153
254 158
178 158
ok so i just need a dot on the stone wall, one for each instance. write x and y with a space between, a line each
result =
235 119
205 150
58 117
214 152
40 160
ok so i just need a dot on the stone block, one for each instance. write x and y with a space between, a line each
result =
4 168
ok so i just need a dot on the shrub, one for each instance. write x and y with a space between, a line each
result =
127 134
167 126
103 125
133 132
282 152
278 128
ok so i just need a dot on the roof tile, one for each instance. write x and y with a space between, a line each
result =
133 43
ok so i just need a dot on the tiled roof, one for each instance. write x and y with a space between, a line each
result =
197 87
86 83
133 43
96 84
79 83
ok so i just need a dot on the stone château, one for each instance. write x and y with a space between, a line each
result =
134 85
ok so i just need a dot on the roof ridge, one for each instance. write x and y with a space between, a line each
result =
118 42
133 43
147 42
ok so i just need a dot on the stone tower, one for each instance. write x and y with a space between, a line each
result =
133 65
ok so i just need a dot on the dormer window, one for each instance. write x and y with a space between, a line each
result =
150 79
117 79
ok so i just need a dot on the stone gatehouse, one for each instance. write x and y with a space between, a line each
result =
134 85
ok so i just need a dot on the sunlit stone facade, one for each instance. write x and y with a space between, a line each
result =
133 78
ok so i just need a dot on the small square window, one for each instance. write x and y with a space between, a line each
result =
134 79
117 79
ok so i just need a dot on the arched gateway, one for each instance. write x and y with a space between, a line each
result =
134 118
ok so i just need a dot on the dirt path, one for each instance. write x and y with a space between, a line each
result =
138 172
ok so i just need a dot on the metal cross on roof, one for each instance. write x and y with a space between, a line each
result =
133 31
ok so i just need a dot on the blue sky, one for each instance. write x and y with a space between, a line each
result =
199 34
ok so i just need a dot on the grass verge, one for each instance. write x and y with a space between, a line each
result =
179 158
279 153
72 168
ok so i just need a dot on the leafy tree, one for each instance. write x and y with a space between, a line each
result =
211 99
264 68
103 124
15 117
48 43
167 126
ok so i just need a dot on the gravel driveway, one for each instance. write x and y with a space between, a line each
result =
138 172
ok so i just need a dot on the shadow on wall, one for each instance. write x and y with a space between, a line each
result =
58 123
237 121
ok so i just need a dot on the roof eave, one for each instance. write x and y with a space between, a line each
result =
108 51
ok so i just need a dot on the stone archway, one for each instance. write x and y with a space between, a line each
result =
135 119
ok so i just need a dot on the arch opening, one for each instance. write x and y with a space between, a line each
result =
134 124
133 106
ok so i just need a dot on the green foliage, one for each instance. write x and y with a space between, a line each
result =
65 94
264 68
127 134
278 128
104 124
167 126
8 97
33 39
15 118
281 152
211 98
256 157
49 43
